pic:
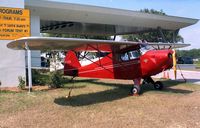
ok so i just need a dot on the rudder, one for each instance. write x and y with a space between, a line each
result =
71 64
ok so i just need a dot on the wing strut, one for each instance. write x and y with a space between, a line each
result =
114 37
175 34
162 35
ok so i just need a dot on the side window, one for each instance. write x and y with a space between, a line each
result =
130 55
134 54
124 57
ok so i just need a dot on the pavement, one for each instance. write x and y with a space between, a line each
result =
190 76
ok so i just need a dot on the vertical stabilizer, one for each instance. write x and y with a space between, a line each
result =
71 64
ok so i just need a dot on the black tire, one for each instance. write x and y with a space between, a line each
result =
135 90
145 82
158 85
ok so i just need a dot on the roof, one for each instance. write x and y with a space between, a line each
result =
58 17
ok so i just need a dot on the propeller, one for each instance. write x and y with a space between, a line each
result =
174 63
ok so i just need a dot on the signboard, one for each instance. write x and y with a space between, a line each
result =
14 23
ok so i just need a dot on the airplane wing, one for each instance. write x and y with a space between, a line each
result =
54 43
168 45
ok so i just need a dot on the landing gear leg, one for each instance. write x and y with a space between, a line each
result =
158 85
70 91
136 89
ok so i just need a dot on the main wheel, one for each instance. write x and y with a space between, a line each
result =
135 90
158 85
144 82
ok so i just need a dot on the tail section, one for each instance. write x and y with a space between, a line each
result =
71 64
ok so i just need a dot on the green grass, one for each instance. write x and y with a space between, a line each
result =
100 102
6 91
85 92
12 102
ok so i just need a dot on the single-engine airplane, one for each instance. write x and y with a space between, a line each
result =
130 62
115 59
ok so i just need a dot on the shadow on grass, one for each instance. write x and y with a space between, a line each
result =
166 89
120 91
168 84
148 87
93 98
191 80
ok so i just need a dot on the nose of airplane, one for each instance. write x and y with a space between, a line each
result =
163 57
156 61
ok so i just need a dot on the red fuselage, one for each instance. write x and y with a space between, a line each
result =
122 65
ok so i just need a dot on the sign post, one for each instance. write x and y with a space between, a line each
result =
29 67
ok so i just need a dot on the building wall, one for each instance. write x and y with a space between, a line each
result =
35 31
12 65
12 62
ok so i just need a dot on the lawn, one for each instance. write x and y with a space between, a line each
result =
102 103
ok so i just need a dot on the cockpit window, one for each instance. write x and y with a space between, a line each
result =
124 57
134 54
130 55
144 48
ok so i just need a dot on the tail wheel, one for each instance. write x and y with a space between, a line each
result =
158 85
135 90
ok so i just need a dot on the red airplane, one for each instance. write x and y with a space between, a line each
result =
115 59
134 62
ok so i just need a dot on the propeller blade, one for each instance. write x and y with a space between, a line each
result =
174 63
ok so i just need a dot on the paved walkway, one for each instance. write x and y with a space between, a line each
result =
190 76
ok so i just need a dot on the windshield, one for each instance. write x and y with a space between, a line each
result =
145 48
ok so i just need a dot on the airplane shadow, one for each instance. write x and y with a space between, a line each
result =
120 91
168 87
92 98
190 80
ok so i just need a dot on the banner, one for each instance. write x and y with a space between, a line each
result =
14 23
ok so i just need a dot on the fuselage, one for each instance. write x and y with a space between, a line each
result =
127 64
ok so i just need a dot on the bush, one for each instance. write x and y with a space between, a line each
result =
38 78
55 80
22 82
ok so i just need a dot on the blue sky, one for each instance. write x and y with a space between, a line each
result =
182 8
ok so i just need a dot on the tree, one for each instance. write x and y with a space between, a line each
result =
153 36
194 53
